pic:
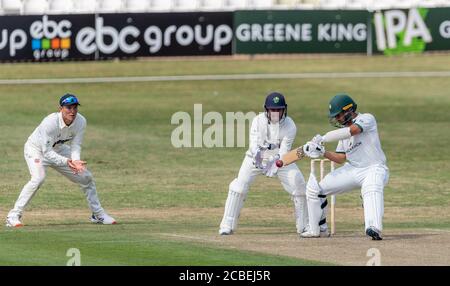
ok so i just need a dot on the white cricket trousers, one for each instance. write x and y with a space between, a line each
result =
37 165
371 180
291 179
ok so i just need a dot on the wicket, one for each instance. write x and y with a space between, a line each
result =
322 163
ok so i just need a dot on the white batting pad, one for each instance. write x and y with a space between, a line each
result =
301 213
314 204
233 206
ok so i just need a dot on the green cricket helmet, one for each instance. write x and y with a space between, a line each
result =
341 103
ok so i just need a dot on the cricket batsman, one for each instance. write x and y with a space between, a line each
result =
365 167
271 136
56 143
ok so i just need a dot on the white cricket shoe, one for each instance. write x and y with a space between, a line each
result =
225 231
14 221
305 229
309 234
323 230
103 218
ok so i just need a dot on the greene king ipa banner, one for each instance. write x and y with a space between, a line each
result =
302 31
411 30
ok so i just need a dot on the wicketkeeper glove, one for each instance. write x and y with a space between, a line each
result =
271 168
258 157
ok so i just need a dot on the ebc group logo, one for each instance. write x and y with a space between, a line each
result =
50 39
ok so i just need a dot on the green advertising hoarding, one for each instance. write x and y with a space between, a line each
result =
411 30
438 21
301 31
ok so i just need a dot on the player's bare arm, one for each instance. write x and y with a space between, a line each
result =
339 158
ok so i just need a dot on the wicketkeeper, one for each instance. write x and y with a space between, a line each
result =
56 143
365 167
271 136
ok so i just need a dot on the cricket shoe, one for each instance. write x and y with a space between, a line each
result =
14 221
374 233
225 231
103 218
300 231
310 234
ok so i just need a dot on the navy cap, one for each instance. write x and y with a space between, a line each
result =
275 100
68 99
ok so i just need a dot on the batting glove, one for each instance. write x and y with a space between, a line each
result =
318 139
313 150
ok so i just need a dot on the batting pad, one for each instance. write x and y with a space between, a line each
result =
233 206
301 213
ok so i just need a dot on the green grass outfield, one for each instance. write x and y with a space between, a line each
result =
128 148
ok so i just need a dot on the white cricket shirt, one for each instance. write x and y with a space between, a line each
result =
364 149
52 133
263 133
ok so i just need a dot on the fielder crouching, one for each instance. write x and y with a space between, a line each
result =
48 146
271 136
359 145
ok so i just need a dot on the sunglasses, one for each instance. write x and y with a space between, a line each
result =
69 101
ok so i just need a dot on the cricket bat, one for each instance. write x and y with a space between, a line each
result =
290 157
